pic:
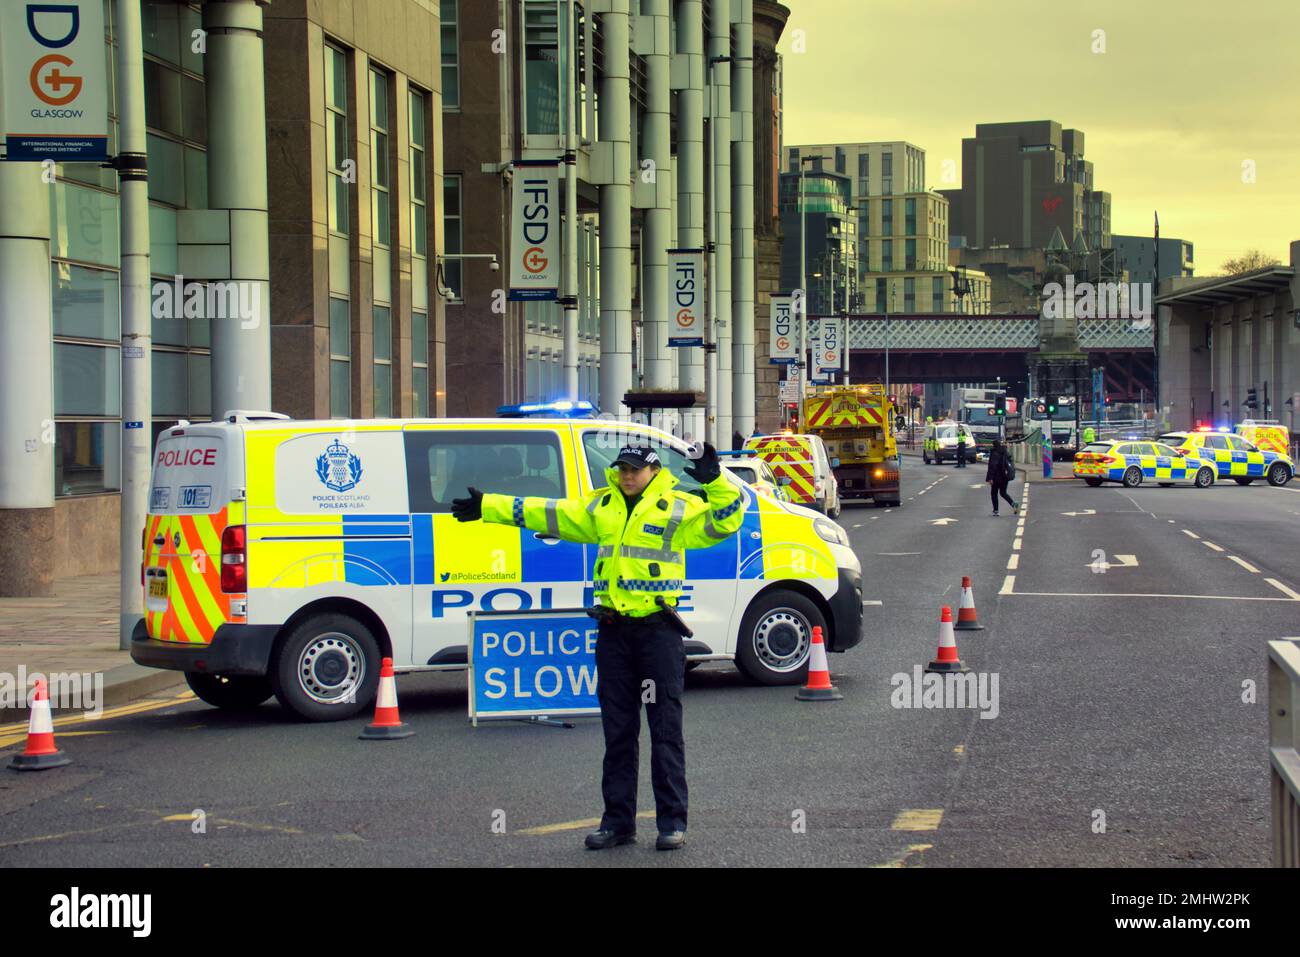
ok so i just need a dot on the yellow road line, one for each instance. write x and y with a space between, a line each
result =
901 859
1244 564
1212 545
1008 585
14 733
574 825
1282 588
918 819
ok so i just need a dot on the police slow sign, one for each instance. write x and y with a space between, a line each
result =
53 102
532 664
686 297
535 230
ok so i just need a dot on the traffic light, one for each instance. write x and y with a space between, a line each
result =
1040 408
1051 408
1000 405
1252 400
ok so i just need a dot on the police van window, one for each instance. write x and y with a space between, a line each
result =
744 472
1165 450
1098 447
440 465
601 451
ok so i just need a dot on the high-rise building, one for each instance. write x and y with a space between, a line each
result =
1137 254
1021 181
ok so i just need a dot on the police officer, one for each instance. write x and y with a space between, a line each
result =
961 448
642 524
1089 435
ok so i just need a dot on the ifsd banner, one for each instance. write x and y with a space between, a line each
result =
686 279
535 230
828 355
784 348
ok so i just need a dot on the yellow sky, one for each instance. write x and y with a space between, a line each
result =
1185 92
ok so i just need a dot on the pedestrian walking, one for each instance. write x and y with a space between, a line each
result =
642 523
1001 471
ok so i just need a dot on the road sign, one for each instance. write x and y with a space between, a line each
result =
532 664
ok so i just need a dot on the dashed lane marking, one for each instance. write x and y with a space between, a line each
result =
1212 545
1013 563
1244 564
918 819
1283 589
1008 585
901 859
1191 535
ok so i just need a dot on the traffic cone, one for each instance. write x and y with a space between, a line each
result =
966 620
819 687
387 726
946 659
41 754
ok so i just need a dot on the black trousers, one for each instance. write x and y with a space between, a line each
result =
1000 488
640 660
961 456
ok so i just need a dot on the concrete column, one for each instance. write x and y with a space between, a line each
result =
236 102
657 235
742 224
26 383
720 46
690 181
616 215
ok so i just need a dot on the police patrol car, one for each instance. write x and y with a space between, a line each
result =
1131 462
288 558
1233 456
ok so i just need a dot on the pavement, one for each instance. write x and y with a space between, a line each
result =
74 631
1126 629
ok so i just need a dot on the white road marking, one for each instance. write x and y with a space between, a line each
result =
1282 588
1008 584
1212 545
1122 561
1244 564
1013 563
859 525
1086 511
1102 594
943 521
897 553
1191 535
1016 544
875 601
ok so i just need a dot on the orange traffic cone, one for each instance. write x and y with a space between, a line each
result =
966 620
387 726
946 659
819 687
41 753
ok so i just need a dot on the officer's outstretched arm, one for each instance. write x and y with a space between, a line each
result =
706 524
571 519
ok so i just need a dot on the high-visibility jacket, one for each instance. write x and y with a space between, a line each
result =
1089 435
641 556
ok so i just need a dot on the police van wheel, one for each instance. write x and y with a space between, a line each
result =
1242 481
775 637
231 692
1132 477
1279 474
1204 477
327 668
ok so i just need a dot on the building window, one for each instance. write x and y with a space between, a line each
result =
864 173
909 261
938 293
887 217
910 215
909 294
336 137
340 359
886 255
419 175
383 338
450 55
541 67
840 160
420 364
381 224
451 237
794 161
882 304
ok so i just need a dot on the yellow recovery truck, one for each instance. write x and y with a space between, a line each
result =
855 424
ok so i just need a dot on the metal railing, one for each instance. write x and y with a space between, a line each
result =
1283 742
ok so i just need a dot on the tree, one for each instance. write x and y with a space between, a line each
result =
1253 259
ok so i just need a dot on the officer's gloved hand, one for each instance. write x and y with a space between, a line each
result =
468 509
706 468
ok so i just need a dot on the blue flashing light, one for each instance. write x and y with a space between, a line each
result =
565 408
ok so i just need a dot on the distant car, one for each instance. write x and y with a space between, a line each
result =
758 474
1233 456
1129 463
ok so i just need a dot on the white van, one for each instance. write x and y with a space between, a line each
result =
288 558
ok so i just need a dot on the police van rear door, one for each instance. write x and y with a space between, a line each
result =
461 567
189 496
